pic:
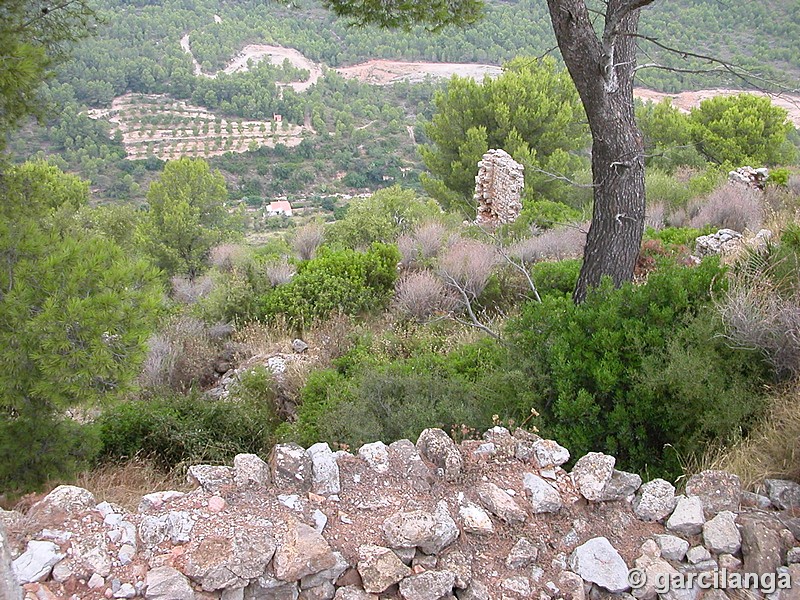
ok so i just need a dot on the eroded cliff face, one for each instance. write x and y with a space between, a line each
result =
491 519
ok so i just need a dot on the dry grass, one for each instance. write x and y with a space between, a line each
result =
307 239
420 295
188 291
655 216
126 483
226 257
552 244
467 265
771 449
423 244
279 272
732 207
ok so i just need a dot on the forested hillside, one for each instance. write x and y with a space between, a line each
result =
137 48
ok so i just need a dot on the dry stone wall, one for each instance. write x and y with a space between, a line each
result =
498 518
498 188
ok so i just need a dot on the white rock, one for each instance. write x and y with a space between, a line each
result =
37 561
166 583
376 455
544 498
126 590
655 500
597 561
687 518
250 469
474 519
63 499
549 453
672 547
325 479
592 473
96 581
720 534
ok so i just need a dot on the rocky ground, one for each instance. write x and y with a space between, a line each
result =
491 519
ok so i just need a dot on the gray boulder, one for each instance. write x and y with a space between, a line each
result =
620 486
672 547
437 447
522 554
430 532
687 518
597 561
64 499
211 478
379 568
549 454
543 496
655 500
9 585
303 552
249 469
411 465
36 563
325 479
430 585
717 490
783 494
166 583
291 468
720 534
592 473
499 503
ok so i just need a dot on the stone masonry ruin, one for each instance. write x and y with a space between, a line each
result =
491 519
498 188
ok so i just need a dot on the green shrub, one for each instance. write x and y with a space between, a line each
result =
179 429
663 188
547 214
342 281
678 236
633 369
556 277
38 447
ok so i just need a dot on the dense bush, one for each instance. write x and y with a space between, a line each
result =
634 369
342 281
189 429
369 398
556 277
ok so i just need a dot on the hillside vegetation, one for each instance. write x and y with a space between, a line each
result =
150 309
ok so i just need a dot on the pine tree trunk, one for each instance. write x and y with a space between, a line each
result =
602 67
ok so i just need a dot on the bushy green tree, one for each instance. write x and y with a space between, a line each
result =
187 216
343 281
382 217
75 313
742 130
34 38
641 372
667 136
532 111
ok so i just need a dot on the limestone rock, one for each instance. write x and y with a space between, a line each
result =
597 561
217 562
9 585
592 473
474 519
549 454
717 490
352 592
476 591
249 469
331 574
517 586
656 571
571 586
291 467
430 532
166 583
762 546
457 563
269 588
544 497
724 241
437 447
413 468
697 555
379 568
655 500
720 534
376 455
156 500
672 547
92 554
749 499
499 503
324 591
37 561
63 499
620 486
522 554
324 470
211 478
783 494
687 518
303 552
430 585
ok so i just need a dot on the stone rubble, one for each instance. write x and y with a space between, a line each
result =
427 521
750 177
